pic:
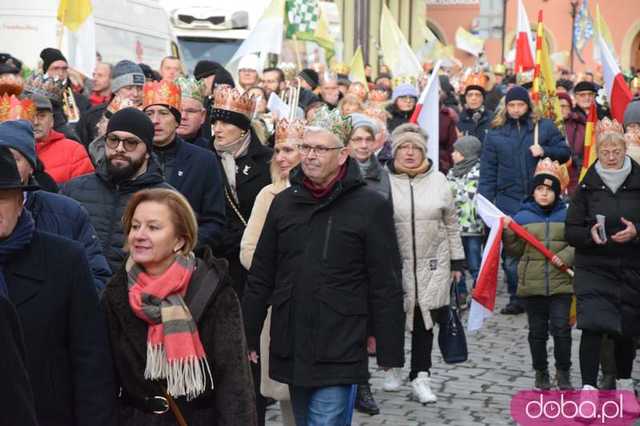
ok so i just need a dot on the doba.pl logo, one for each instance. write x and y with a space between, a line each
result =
610 408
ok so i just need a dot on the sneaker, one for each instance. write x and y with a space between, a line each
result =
563 379
421 387
542 380
512 309
365 402
392 380
588 402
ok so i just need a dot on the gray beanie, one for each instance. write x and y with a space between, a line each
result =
126 73
469 146
361 120
409 132
632 113
404 89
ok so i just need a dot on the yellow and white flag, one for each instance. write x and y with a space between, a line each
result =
396 52
78 34
357 69
468 42
601 28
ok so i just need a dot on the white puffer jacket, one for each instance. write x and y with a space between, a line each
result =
428 231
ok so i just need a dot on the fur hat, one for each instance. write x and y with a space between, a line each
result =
411 133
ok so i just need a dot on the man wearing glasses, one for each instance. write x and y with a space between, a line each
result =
127 169
327 263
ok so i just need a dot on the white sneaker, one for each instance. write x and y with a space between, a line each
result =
588 401
392 380
421 386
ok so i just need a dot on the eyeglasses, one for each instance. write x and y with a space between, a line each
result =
319 150
129 144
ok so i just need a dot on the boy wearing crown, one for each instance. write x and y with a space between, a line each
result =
544 289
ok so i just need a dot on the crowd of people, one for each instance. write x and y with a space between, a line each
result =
174 252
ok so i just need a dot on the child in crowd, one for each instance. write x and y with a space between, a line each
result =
545 289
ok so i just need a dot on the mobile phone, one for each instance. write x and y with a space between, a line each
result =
600 219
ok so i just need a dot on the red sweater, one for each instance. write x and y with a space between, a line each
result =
63 158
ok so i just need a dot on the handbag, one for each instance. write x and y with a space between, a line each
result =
451 337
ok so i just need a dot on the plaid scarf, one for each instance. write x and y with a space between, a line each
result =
174 349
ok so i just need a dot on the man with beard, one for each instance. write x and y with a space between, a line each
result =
128 169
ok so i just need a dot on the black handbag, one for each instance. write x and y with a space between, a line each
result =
451 337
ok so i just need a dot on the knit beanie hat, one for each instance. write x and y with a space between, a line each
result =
517 93
18 134
469 146
134 121
404 89
126 73
409 132
632 113
361 120
206 68
548 180
49 56
311 77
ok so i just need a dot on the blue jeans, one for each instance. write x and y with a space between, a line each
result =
322 406
510 267
473 253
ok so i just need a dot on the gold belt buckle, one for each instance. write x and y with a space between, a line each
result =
164 401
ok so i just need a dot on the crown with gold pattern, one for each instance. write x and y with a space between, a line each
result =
161 93
553 168
378 113
191 88
289 131
12 108
476 81
332 121
405 79
11 84
41 84
339 68
231 99
607 125
359 89
377 96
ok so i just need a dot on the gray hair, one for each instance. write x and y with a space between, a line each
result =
610 137
316 129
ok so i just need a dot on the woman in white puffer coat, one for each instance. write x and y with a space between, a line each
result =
430 246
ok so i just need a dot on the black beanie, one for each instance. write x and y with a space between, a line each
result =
205 68
311 77
134 121
223 77
49 56
547 180
517 93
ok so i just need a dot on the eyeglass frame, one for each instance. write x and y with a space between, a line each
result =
320 151
111 137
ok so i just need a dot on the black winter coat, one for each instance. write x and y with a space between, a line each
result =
252 174
86 127
397 117
232 402
327 267
607 281
65 335
105 202
16 395
63 216
468 126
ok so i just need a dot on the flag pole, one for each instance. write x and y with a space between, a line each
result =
295 48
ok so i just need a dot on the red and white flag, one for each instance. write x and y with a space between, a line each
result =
484 294
427 114
618 92
524 47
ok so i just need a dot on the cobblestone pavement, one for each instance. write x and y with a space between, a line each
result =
477 392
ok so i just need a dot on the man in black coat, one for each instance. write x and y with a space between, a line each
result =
128 169
48 279
192 170
325 261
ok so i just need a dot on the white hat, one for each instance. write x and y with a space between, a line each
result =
249 62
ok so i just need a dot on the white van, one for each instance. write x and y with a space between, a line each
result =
137 30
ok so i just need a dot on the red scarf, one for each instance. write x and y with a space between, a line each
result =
317 192
96 99
174 349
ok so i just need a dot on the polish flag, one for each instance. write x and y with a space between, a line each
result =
524 48
484 294
427 114
618 92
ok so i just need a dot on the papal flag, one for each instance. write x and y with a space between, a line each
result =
78 34
396 52
469 42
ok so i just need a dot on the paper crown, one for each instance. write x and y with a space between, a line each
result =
161 93
499 69
635 83
12 108
378 96
607 125
191 88
40 84
359 89
11 84
553 168
289 69
378 113
332 121
476 80
632 137
406 79
118 103
289 131
340 68
231 99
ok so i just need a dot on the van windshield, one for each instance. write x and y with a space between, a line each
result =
213 49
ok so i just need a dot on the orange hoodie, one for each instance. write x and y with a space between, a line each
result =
63 158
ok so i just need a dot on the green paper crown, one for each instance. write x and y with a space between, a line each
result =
332 121
191 88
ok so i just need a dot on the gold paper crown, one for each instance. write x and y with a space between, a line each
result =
499 69
230 99
476 79
40 84
607 125
11 84
12 108
553 168
191 88
397 81
340 68
161 93
359 89
332 121
118 103
289 131
289 69
378 96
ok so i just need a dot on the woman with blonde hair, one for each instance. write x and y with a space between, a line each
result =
285 157
175 323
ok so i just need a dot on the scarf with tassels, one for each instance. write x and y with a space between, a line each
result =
174 349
